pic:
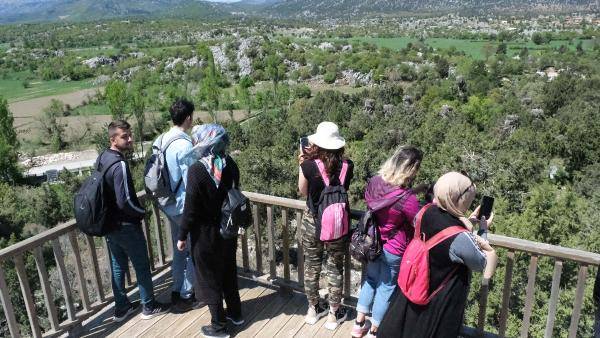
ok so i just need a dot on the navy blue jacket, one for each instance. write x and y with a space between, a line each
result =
123 204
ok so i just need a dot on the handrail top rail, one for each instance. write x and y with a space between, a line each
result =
506 242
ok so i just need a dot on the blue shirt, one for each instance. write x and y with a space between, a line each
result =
177 168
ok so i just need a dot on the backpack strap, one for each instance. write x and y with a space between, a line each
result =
322 171
343 172
443 235
164 151
418 220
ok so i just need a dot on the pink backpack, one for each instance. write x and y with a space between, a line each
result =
333 207
413 278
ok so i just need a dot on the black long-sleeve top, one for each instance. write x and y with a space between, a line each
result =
121 198
203 200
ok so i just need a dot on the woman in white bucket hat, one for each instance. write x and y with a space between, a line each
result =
324 153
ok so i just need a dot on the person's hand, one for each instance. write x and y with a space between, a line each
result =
484 224
483 244
300 158
181 245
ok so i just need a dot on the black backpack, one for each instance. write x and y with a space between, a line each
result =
366 244
90 204
235 213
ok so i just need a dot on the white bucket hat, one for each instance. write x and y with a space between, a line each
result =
327 136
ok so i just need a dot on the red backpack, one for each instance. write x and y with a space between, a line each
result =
413 278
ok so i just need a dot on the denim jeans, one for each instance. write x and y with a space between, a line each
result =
182 266
378 287
129 242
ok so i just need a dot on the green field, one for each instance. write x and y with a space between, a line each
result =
474 48
12 89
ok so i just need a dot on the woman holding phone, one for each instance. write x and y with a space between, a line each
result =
322 163
450 265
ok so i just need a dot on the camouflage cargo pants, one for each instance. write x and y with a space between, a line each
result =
313 260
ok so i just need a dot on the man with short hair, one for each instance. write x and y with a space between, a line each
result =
175 144
125 238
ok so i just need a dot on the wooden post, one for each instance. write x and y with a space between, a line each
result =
510 261
245 259
271 240
64 282
581 276
300 253
9 311
286 246
257 239
159 240
553 299
85 298
97 275
529 295
149 248
45 284
27 296
483 297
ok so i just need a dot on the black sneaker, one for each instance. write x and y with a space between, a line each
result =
120 315
315 312
210 331
335 319
236 320
154 309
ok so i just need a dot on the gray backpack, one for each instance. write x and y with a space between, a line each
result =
156 174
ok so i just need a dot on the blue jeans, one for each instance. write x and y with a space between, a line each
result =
129 242
378 287
182 266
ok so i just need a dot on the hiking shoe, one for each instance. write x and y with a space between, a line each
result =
334 319
120 315
154 309
315 312
210 331
237 321
359 330
182 305
371 335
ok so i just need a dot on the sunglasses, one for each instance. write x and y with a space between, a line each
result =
469 187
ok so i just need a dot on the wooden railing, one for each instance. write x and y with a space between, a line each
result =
277 222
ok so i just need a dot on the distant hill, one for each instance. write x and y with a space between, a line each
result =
12 11
89 10
353 8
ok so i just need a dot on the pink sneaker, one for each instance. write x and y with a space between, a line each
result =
359 331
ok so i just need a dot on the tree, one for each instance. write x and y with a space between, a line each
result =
138 105
52 127
9 168
501 50
442 67
537 38
116 97
276 71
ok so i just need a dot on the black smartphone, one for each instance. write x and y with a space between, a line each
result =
304 144
487 203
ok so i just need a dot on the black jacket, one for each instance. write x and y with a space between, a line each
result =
120 194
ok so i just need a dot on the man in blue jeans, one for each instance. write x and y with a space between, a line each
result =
175 144
125 238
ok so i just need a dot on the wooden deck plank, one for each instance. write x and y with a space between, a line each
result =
194 328
265 312
310 330
187 319
344 330
294 324
285 314
167 322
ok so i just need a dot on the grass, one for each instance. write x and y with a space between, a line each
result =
12 89
473 48
91 109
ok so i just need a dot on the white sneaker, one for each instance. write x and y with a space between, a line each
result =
315 313
335 319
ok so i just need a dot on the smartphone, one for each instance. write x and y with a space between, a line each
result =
487 203
304 144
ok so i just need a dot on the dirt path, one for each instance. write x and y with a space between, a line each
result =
30 109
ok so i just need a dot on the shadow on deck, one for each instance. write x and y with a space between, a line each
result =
268 312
